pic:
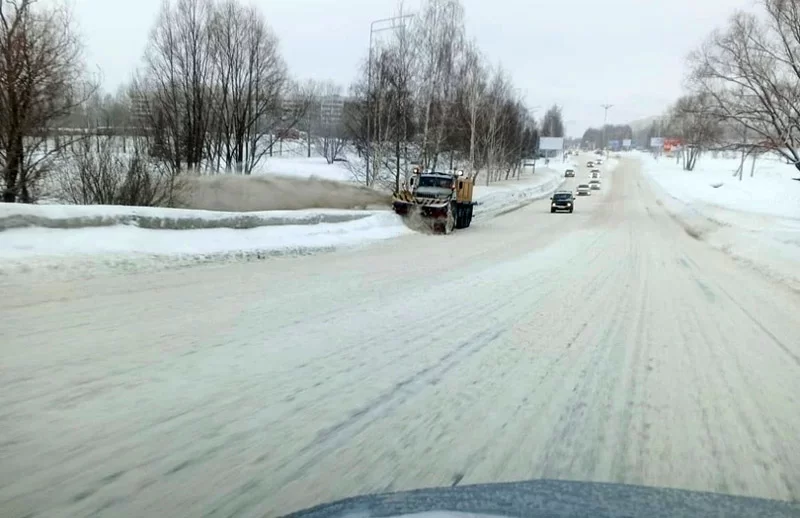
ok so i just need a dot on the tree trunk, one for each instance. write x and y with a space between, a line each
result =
13 170
397 162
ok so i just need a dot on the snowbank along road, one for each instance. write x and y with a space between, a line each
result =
605 345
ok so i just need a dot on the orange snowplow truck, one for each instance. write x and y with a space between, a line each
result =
442 200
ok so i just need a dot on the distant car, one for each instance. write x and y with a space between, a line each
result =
590 164
584 190
562 201
594 185
569 173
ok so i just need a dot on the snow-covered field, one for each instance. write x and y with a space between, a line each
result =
756 220
302 167
72 240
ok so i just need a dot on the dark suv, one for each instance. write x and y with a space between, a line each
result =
562 200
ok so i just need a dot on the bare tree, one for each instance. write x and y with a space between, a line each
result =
499 91
694 121
440 40
42 80
325 117
177 81
750 72
249 79
473 88
381 116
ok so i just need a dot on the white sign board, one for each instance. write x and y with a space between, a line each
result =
657 142
551 143
626 142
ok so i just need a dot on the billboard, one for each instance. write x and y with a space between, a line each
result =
613 145
657 142
551 143
626 142
671 143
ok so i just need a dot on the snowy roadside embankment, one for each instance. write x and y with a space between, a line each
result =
14 216
755 220
496 199
126 247
79 240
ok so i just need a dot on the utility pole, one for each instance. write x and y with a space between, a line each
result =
605 121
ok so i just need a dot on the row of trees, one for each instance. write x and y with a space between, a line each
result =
426 95
210 94
214 95
744 88
594 137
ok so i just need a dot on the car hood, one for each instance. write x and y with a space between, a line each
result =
551 499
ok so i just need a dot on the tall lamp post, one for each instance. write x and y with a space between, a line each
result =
372 30
605 121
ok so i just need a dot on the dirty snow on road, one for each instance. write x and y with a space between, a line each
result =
604 345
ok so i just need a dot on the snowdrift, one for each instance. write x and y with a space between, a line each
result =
13 216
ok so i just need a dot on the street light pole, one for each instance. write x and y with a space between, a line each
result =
605 121
373 30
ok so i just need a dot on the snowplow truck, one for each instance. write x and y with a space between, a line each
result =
441 201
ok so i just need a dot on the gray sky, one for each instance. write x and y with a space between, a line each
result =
578 53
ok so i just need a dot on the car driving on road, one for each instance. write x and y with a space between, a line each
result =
584 190
594 184
562 201
569 173
590 164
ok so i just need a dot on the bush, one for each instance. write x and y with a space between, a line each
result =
100 175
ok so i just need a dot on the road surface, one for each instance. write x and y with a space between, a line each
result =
605 345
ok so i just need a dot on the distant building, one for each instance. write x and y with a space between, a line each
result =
325 115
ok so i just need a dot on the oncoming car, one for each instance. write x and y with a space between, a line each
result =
562 201
594 184
569 173
584 190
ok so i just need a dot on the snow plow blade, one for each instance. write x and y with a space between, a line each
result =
427 218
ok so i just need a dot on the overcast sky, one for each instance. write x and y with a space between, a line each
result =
577 53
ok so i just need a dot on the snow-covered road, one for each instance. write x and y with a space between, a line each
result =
606 345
